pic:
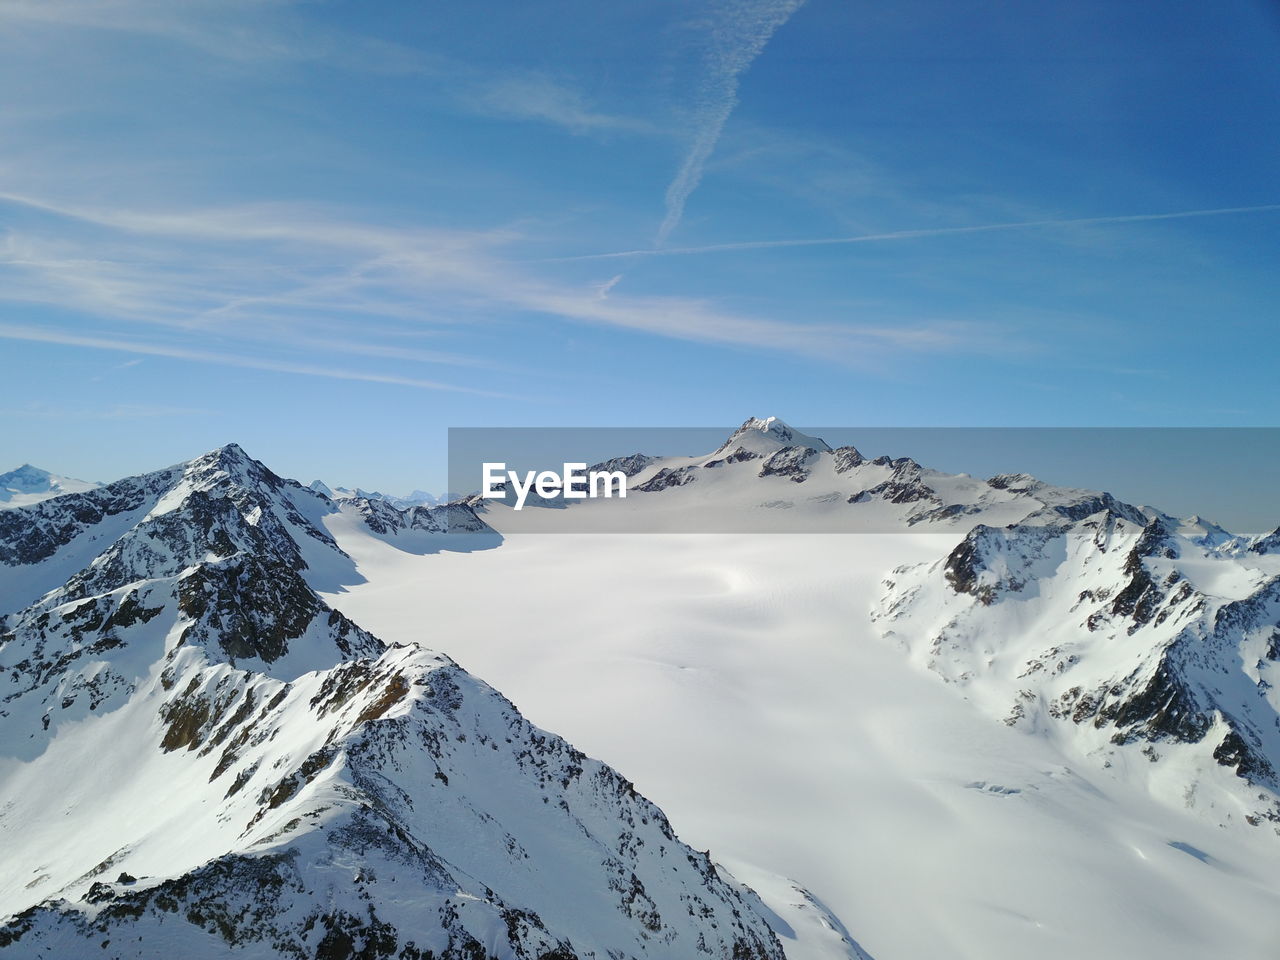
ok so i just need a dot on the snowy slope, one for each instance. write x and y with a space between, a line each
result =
196 751
1135 642
28 484
784 733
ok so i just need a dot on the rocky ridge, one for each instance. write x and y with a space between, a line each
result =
268 776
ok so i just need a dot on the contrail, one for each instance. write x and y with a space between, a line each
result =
736 41
911 234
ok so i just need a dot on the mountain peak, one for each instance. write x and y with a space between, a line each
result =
229 459
771 433
30 484
230 452
24 471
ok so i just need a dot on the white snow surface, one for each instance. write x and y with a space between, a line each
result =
28 484
740 683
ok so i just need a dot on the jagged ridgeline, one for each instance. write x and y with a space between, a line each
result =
1152 643
199 757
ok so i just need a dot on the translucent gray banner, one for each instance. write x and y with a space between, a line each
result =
768 477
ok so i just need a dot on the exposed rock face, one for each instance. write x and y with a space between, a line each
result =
38 532
846 458
627 466
1268 544
1139 636
427 821
383 517
666 478
210 553
789 462
267 776
906 484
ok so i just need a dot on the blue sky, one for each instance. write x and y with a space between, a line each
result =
330 230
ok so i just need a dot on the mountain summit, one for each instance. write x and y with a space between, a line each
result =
201 753
29 484
769 435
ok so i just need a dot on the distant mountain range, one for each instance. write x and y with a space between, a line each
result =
418 498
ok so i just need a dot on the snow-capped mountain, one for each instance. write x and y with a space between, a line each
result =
1134 637
770 477
418 498
198 752
28 484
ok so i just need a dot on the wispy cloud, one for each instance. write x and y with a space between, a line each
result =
602 291
246 31
921 233
256 32
539 97
129 345
118 411
741 30
698 320
299 280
